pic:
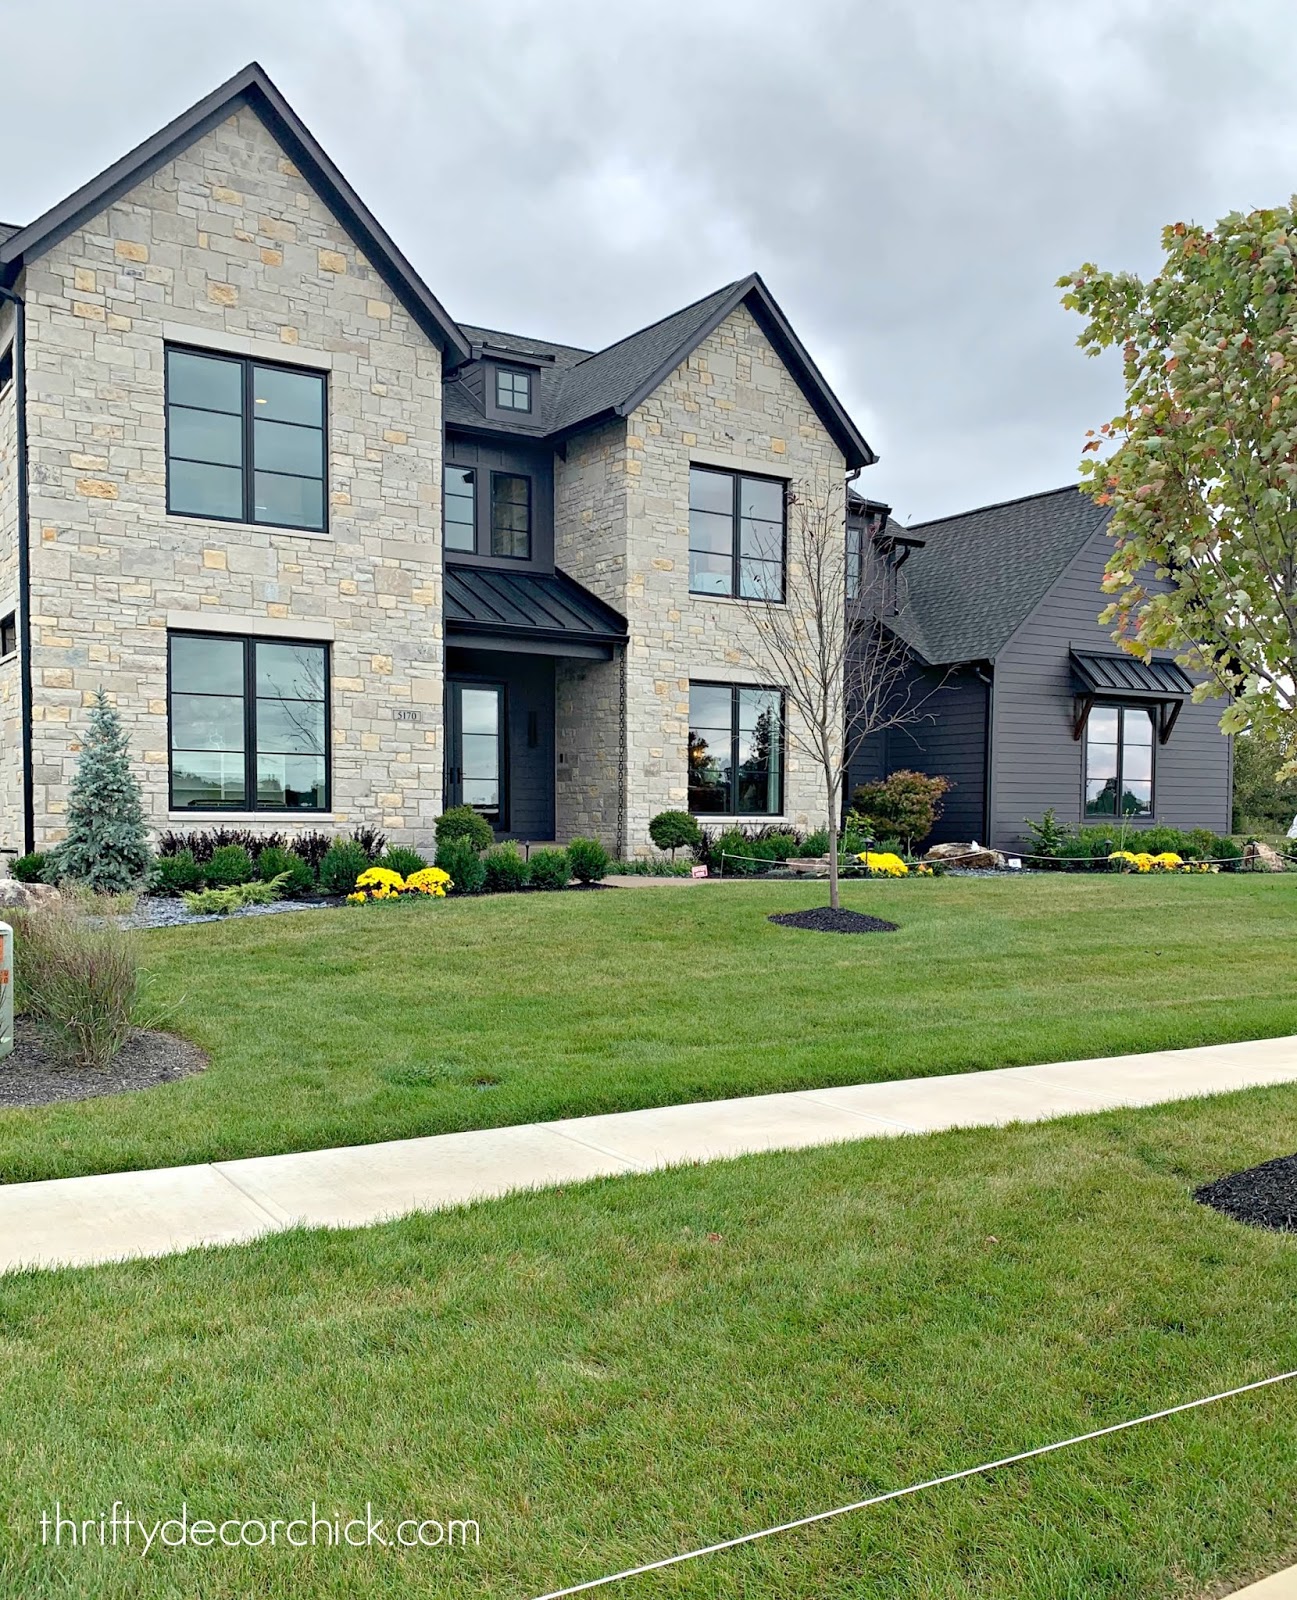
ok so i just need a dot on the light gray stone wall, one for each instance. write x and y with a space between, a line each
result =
230 248
732 404
590 501
11 841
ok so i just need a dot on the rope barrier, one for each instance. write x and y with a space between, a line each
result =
1017 855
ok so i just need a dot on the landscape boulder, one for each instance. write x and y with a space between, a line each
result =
26 896
1260 857
972 857
807 866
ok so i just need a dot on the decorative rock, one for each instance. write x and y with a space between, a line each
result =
975 857
27 896
1262 858
807 864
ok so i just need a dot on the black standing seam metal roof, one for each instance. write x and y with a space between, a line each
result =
981 574
252 88
487 599
1112 673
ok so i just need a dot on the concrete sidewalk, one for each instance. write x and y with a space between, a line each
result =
1282 1586
79 1221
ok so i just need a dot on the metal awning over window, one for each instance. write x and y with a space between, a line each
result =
1163 686
547 613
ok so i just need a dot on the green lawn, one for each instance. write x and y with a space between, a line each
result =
337 1028
635 1367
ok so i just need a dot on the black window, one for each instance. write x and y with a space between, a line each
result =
512 389
8 634
736 735
460 490
1119 762
510 515
855 559
736 535
245 441
249 724
6 368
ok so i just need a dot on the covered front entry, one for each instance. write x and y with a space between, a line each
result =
500 739
506 635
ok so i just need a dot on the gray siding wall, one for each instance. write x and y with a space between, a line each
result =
1037 763
949 742
529 708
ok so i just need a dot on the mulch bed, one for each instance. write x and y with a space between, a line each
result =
29 1077
824 919
1263 1197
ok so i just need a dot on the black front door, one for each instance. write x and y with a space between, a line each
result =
475 773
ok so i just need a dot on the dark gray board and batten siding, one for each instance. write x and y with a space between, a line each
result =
948 741
1036 763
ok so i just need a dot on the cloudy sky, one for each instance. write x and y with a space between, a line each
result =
909 176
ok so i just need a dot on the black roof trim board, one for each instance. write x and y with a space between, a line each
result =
251 87
1126 676
534 605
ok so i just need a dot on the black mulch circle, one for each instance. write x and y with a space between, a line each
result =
30 1077
1263 1197
824 919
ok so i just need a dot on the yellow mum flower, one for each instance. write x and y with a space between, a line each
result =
357 899
429 880
884 861
380 877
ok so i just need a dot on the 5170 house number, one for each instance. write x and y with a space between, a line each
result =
407 714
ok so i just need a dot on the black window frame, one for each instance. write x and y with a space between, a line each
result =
522 477
6 368
8 635
250 803
528 377
735 689
1121 707
737 477
455 466
248 468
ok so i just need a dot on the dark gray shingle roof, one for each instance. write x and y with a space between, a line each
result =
980 575
539 604
563 355
8 229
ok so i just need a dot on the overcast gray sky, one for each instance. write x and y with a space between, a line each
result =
909 176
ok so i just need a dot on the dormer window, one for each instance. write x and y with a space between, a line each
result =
512 389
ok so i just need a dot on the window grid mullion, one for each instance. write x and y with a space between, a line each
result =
249 465
734 750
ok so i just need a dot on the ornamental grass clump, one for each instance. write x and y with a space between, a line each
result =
79 984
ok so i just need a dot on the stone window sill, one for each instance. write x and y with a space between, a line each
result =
277 818
216 529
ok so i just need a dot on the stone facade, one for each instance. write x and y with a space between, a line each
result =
623 531
227 247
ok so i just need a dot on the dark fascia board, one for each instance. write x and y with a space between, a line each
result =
752 292
253 88
512 358
455 625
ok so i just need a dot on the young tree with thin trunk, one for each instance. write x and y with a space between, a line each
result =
826 641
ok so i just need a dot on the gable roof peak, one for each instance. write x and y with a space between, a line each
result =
251 86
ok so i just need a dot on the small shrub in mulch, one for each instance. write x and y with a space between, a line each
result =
1262 1197
824 919
32 1076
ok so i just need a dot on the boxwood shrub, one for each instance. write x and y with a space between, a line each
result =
275 862
230 864
342 864
550 869
466 867
462 822
588 860
506 871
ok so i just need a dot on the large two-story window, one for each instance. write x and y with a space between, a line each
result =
245 441
249 723
736 737
510 515
1119 762
460 491
736 535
